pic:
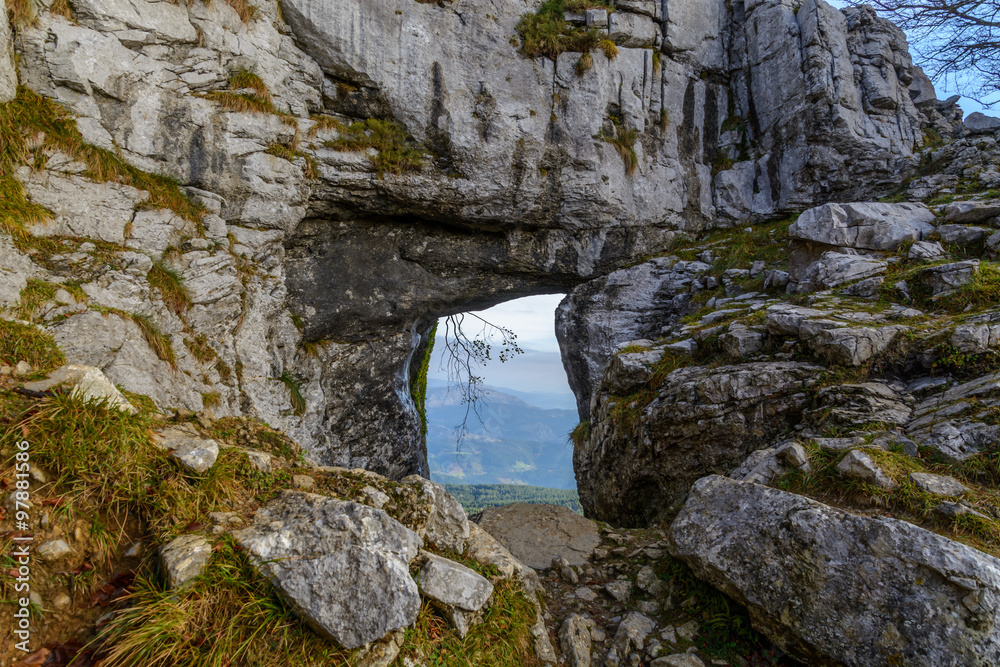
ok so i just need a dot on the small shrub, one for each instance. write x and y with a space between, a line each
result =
199 348
585 62
609 48
546 33
35 294
623 141
580 434
29 116
244 78
169 283
31 344
298 401
396 153
245 10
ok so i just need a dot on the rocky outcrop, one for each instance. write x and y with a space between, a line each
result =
806 573
343 567
8 73
626 305
520 192
636 468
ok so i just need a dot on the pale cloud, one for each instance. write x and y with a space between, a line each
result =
540 368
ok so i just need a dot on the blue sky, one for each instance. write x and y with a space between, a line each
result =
540 368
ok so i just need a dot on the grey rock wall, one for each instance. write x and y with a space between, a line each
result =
8 73
318 270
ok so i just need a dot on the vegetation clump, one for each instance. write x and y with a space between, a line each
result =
25 342
546 32
418 387
295 392
623 139
30 127
170 285
396 153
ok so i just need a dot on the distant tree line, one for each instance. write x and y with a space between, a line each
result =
477 497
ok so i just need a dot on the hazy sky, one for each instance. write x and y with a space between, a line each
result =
540 368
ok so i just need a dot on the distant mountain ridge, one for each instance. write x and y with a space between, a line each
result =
516 442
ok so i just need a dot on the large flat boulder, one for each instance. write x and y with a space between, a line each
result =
864 226
833 588
535 534
342 566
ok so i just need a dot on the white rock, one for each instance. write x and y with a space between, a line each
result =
184 558
453 584
89 384
53 550
858 465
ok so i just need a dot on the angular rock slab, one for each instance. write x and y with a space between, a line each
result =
89 384
868 225
447 527
454 584
535 534
342 566
184 558
834 588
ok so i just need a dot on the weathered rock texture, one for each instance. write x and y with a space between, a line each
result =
314 273
834 588
342 566
535 534
636 468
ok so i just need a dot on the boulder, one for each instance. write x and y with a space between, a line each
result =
739 343
620 591
484 548
975 338
632 633
184 558
635 470
88 383
343 567
808 574
453 584
864 226
971 211
836 268
849 405
962 234
945 279
185 444
853 346
858 465
575 640
926 251
535 534
447 527
941 485
979 123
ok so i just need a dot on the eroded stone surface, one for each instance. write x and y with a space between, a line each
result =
535 534
343 567
936 602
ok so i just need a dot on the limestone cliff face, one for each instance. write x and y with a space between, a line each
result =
316 273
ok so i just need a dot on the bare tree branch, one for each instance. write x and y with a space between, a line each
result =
465 353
